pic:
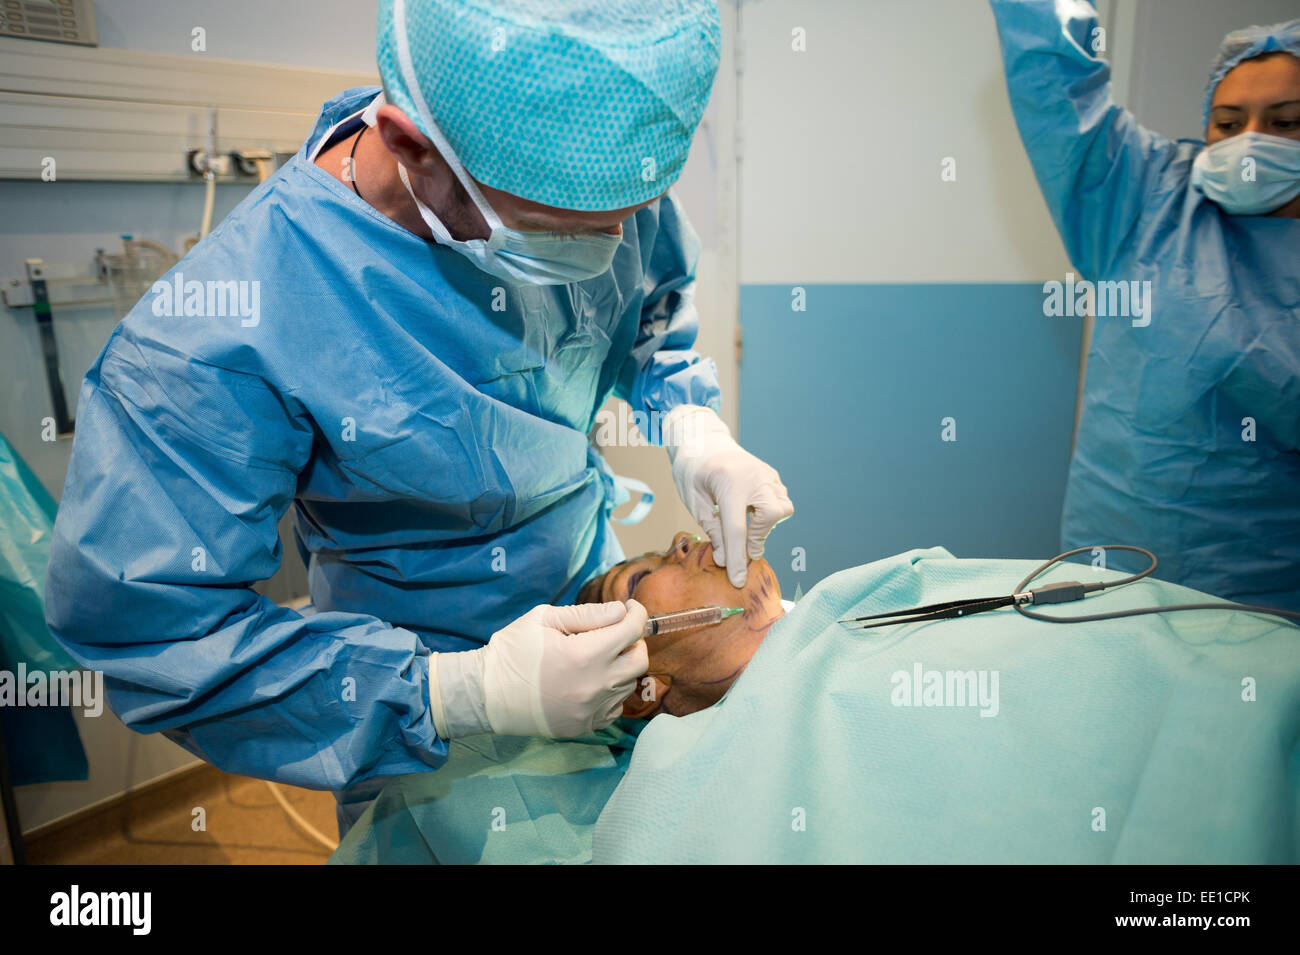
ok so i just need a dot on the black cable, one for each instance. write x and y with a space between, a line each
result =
1072 590
352 163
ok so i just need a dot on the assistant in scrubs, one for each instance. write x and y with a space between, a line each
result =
422 339
1189 436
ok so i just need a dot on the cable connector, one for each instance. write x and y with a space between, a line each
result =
1062 593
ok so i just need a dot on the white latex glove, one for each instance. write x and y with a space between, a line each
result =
556 671
721 484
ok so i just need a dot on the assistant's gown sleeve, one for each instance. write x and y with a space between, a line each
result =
663 370
1095 165
180 472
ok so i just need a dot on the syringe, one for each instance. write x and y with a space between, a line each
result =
687 619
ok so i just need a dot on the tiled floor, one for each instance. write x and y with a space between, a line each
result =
244 824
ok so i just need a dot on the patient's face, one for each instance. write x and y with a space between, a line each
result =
702 663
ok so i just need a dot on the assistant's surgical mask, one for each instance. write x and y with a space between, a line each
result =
1249 174
520 258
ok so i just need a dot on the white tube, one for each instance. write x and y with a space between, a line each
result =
302 823
210 178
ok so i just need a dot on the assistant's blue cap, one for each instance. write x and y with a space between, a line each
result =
579 104
1244 44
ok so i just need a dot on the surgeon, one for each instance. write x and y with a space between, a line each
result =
406 334
1189 436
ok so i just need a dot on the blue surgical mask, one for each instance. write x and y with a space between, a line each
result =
519 258
1249 174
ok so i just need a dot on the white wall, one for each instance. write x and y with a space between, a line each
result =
843 145
320 34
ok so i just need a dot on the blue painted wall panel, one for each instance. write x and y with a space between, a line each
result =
847 399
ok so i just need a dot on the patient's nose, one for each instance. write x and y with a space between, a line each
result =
682 542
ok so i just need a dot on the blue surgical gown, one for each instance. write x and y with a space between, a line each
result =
1189 429
429 428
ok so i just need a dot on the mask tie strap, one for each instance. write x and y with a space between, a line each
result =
435 134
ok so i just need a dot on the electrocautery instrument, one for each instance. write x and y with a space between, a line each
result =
687 619
1050 594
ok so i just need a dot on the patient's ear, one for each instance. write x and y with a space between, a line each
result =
645 699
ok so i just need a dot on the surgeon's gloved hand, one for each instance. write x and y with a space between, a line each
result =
721 484
556 671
